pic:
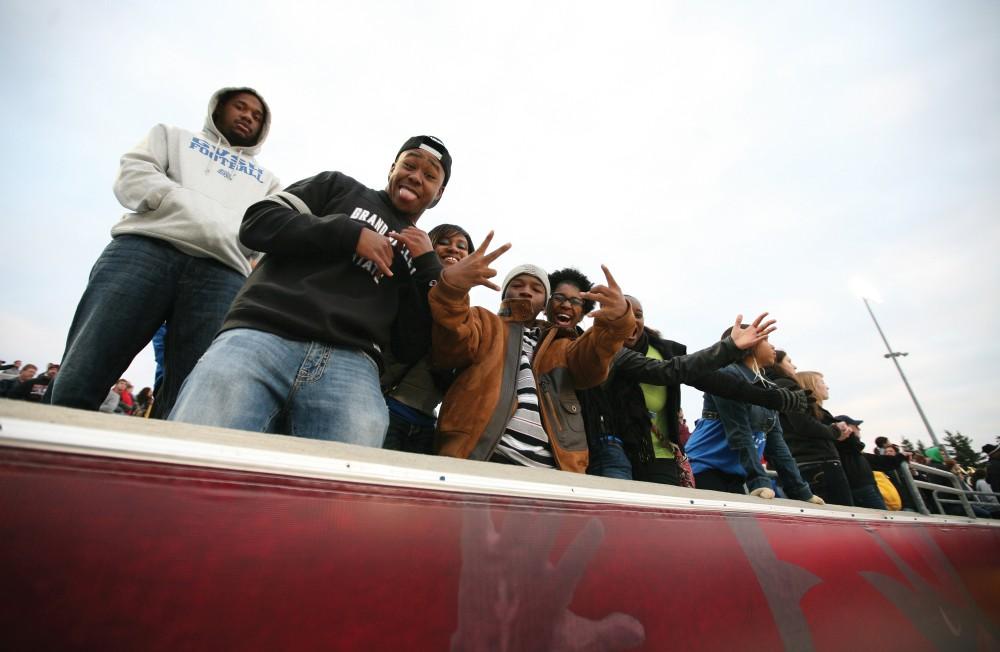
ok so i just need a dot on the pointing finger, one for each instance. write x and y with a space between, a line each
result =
611 279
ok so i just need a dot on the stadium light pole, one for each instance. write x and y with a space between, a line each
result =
894 356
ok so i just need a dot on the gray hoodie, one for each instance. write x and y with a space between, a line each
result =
192 188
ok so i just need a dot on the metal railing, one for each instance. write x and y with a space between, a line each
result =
957 489
913 487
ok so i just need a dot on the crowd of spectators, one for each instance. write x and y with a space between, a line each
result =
23 382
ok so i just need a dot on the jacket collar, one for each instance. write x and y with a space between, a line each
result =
518 310
743 369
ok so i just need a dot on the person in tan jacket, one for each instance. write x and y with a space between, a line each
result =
514 400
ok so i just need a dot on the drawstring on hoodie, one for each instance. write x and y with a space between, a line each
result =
212 159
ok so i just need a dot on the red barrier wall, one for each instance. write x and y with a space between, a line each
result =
101 553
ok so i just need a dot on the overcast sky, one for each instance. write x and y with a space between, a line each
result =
719 157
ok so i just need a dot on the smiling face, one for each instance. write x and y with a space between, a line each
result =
526 286
640 321
415 182
565 308
240 119
451 248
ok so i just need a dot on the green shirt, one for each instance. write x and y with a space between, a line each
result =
656 400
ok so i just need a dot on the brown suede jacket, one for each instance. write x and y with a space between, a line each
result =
486 348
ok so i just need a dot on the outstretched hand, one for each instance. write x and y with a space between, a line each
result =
613 302
475 268
745 338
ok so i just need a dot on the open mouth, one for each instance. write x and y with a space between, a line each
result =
563 319
449 260
407 194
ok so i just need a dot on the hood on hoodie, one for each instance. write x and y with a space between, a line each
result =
265 125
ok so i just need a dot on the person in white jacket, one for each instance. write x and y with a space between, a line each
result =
176 257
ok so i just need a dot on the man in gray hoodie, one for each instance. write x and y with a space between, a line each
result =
176 257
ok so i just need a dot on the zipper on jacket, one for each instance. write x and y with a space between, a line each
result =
509 378
544 393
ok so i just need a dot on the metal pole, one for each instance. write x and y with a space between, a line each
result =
893 356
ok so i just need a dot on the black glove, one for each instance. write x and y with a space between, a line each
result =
795 400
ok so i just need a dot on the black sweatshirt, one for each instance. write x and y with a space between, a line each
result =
311 286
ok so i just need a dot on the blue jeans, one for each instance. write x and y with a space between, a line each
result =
136 285
410 437
257 381
778 458
608 459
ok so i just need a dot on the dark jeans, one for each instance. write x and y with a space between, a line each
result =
608 460
660 470
136 285
714 480
827 480
405 436
868 496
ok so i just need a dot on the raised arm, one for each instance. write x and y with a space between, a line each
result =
589 356
784 400
459 330
633 366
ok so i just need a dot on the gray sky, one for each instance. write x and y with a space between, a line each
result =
719 157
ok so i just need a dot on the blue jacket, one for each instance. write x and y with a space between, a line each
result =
727 426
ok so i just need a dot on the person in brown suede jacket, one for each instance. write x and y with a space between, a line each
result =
481 410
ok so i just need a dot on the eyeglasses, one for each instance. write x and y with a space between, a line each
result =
557 299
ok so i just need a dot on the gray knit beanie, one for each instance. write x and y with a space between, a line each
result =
530 270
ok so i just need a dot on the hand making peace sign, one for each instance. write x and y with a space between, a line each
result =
475 268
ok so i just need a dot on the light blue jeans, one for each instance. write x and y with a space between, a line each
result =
257 381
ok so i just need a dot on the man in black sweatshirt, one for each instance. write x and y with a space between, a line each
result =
345 272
